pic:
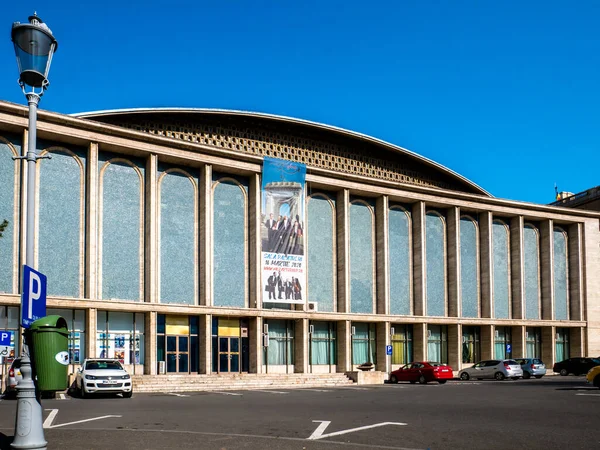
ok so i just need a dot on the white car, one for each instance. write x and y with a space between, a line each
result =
13 377
97 376
498 369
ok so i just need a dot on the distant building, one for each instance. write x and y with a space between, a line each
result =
588 200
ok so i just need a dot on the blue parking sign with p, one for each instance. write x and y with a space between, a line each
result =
388 350
508 348
33 301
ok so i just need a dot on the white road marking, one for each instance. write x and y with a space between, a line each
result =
225 393
54 412
317 390
591 395
318 433
177 395
270 392
62 396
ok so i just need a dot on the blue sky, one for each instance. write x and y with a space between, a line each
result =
504 93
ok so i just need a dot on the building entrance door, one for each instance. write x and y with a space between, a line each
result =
178 354
229 354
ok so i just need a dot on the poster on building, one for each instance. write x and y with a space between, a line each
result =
282 231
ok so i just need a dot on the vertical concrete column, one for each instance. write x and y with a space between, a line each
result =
455 346
301 356
488 334
592 285
150 360
344 346
453 249
419 341
419 268
151 231
205 343
205 238
577 342
486 264
548 345
91 331
254 243
382 261
255 333
576 264
547 258
516 267
91 224
383 363
343 251
518 341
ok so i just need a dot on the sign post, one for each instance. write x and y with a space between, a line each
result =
33 301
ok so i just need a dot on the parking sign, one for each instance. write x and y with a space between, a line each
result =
388 350
33 301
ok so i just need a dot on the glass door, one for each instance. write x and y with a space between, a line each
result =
178 354
229 354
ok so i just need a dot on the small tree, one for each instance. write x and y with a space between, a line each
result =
3 226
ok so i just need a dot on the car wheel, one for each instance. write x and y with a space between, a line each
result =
539 376
394 379
422 379
442 381
499 376
464 376
597 381
82 393
128 394
564 372
526 375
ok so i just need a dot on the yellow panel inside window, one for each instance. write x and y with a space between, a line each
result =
229 327
177 325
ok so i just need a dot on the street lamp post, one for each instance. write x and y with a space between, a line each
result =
34 47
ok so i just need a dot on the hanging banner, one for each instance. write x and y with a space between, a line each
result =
282 233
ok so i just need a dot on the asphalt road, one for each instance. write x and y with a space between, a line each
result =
554 412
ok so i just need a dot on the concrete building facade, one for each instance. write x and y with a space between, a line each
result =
149 226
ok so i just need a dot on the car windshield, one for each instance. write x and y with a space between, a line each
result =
596 360
436 364
511 362
103 365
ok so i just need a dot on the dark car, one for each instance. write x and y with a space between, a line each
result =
422 372
576 366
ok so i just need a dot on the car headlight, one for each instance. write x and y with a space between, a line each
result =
125 377
90 377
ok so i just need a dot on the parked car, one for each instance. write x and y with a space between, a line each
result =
593 376
422 372
576 366
98 376
498 369
13 376
532 367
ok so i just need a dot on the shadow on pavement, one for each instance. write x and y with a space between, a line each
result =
5 441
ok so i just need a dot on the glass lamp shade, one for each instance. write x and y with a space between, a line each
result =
34 47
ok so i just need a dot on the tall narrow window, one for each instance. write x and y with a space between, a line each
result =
533 342
471 346
281 343
501 264
399 261
9 170
561 308
322 343
364 343
502 339
178 243
402 348
437 343
532 271
122 229
61 221
321 257
361 258
229 243
469 268
436 264
562 344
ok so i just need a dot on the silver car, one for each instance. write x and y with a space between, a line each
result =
497 369
532 367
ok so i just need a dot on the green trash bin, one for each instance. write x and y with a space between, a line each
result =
49 345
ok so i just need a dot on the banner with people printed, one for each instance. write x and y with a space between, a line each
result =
282 232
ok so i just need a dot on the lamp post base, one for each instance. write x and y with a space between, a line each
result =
29 429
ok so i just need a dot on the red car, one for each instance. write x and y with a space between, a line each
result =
422 372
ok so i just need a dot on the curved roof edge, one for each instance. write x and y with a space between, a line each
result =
114 112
